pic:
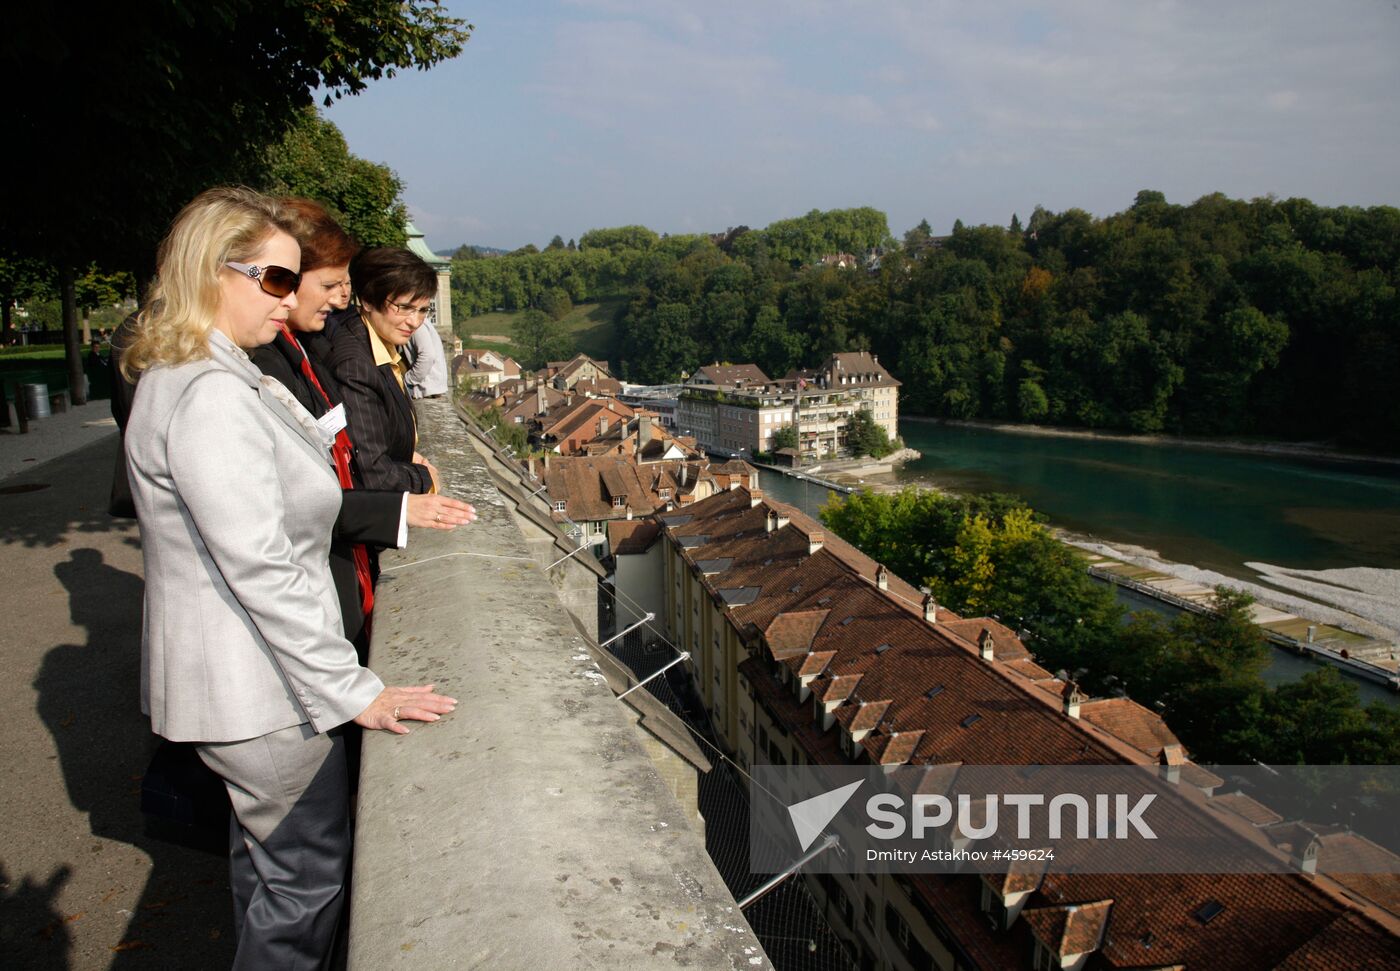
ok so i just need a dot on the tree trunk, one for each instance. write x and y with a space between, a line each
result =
72 352
7 312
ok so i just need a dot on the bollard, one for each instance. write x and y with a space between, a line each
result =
21 415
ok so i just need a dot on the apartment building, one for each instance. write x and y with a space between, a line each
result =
808 652
736 409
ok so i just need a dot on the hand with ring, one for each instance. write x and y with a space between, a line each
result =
439 512
396 704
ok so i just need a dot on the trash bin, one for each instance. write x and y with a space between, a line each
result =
36 400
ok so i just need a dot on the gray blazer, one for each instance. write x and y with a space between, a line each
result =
236 497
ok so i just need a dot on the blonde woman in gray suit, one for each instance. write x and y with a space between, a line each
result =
242 650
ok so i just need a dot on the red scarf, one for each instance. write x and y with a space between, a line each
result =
340 451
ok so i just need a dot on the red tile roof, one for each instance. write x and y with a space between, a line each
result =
919 684
1124 718
732 375
1070 928
1251 811
628 537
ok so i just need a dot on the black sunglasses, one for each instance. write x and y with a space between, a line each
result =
276 281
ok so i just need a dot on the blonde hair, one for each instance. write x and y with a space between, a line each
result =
218 225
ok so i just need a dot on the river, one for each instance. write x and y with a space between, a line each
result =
1208 508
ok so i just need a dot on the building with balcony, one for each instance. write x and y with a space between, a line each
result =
736 409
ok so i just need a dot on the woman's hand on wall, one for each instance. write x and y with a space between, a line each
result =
395 705
430 511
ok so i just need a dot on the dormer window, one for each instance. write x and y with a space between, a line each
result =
560 505
664 493
619 501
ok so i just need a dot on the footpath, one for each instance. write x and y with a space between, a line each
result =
81 885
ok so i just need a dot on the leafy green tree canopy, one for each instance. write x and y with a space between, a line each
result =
539 338
312 160
137 107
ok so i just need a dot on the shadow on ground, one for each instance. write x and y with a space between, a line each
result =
87 699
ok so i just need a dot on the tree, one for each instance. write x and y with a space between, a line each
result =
556 243
312 160
866 436
178 96
785 437
21 280
539 338
555 302
1031 403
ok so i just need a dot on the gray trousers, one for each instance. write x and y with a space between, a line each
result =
289 844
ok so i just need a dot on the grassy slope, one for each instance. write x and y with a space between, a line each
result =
589 324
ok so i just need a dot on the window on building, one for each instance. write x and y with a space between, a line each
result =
1044 959
843 905
994 906
619 501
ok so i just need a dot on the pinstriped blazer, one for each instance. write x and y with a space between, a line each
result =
380 414
236 498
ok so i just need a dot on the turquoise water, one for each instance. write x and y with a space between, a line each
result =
1211 509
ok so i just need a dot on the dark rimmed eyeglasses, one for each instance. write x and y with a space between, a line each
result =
276 281
408 310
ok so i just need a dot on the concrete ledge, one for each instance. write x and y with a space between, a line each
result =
529 829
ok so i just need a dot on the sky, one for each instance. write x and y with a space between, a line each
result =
560 117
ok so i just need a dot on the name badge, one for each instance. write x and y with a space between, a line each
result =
332 422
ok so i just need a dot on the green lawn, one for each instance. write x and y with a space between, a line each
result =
590 325
43 352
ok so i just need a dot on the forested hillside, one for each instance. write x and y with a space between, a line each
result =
1224 317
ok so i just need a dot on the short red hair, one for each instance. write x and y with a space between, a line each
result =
323 241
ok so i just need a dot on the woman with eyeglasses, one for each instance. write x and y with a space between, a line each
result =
369 519
394 290
242 652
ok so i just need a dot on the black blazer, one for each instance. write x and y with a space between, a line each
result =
119 502
366 516
380 414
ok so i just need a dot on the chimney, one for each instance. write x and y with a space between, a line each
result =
1072 699
1170 761
930 609
882 578
540 406
602 425
986 646
814 541
532 467
546 461
772 520
755 498
643 431
1304 857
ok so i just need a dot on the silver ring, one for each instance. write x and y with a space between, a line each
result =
396 712
437 517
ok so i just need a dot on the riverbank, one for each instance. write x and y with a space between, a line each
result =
850 475
1362 601
1317 450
